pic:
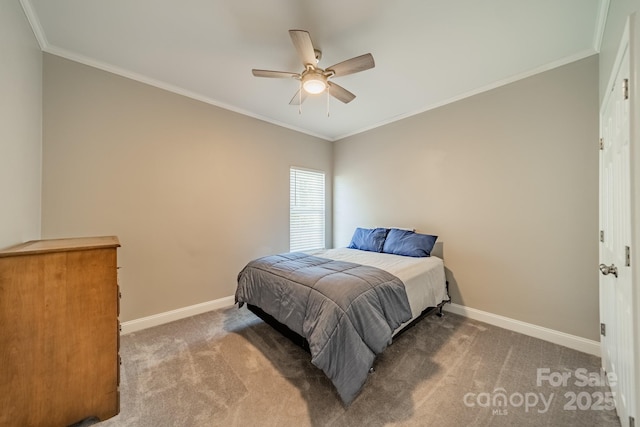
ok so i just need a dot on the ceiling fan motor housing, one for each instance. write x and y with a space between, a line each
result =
314 81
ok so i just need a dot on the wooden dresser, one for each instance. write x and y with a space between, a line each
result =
59 331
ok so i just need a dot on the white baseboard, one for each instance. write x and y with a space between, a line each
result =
180 313
577 343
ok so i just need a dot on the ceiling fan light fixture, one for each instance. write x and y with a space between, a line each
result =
314 80
314 83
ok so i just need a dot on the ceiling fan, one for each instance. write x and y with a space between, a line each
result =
313 79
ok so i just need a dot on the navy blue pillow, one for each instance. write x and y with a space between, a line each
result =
368 239
408 243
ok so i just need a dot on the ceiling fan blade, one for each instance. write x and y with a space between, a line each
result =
353 65
302 42
340 93
297 100
275 74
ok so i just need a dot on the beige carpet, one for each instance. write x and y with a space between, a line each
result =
228 368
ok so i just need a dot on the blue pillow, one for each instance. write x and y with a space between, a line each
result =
368 239
408 243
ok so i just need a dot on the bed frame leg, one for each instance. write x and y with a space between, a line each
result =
441 305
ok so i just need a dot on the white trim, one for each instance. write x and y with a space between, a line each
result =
571 341
36 27
601 21
63 53
577 343
54 50
516 77
622 49
180 313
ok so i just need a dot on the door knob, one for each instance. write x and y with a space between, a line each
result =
609 269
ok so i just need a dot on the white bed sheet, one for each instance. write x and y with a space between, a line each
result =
423 278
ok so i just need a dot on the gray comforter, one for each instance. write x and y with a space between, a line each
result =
347 312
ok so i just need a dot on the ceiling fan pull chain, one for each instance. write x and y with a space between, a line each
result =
328 98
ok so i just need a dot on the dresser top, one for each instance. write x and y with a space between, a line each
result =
61 245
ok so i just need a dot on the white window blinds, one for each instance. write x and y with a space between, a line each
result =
306 210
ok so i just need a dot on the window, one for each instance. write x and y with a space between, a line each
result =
306 210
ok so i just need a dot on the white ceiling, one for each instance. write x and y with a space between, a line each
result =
427 52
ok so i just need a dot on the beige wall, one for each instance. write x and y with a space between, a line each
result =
507 178
193 191
509 181
20 127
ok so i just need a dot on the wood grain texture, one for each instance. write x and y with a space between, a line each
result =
58 332
61 245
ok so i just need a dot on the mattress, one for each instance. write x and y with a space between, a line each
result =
423 278
347 312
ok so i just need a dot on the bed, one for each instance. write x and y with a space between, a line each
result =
346 305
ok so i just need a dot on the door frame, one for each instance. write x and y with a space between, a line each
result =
631 34
634 139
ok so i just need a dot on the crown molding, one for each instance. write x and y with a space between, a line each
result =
36 27
601 22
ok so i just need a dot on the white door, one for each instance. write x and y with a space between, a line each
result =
616 296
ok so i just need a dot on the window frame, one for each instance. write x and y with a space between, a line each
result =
315 237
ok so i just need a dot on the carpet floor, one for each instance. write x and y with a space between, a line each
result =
228 368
